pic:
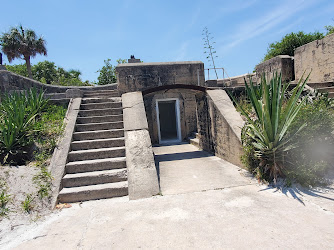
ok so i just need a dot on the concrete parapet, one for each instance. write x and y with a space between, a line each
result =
59 157
10 81
142 76
220 126
142 173
281 64
317 56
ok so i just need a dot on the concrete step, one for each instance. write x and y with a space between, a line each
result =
99 126
94 178
99 143
101 105
104 94
93 192
327 89
99 119
194 141
321 85
331 94
95 165
100 112
100 100
99 153
98 134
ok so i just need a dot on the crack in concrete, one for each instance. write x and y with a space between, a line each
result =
84 232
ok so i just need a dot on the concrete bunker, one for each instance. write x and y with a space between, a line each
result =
177 104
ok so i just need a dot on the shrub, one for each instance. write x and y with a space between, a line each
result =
309 162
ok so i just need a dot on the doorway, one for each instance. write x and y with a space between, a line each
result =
168 119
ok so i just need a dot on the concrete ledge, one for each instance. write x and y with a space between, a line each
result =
142 173
220 126
59 157
225 106
134 115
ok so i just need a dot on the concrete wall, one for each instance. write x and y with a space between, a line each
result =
141 76
10 81
281 64
219 125
187 107
317 56
142 174
235 81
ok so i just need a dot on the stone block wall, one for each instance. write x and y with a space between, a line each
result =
220 126
187 101
281 64
142 76
317 56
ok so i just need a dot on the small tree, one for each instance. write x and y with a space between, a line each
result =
24 44
107 73
290 42
209 49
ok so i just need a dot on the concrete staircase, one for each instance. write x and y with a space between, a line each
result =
96 167
324 87
194 139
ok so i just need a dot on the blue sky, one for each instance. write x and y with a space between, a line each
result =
81 34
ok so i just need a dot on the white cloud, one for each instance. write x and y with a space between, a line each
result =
255 27
181 53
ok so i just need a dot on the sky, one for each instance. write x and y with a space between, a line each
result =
82 34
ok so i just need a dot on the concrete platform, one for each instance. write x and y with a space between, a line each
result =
184 168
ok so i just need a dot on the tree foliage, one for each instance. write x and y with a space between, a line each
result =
108 72
47 72
288 44
22 43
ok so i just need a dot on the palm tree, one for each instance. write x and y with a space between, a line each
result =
24 44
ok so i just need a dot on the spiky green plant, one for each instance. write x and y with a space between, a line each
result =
18 112
268 131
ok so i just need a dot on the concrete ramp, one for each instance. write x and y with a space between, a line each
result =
183 168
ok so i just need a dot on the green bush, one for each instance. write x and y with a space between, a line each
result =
309 162
312 154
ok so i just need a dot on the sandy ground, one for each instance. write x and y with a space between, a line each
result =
19 182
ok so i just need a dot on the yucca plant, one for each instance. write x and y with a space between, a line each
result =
18 112
268 130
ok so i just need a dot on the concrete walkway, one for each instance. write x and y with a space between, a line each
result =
239 214
184 168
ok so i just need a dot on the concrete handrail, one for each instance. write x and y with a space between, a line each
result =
142 173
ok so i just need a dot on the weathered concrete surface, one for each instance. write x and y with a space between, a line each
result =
140 76
219 126
59 157
10 81
241 217
317 56
142 174
187 107
184 168
281 64
134 116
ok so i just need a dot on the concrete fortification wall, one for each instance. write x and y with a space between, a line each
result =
142 76
317 56
219 125
10 81
281 64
